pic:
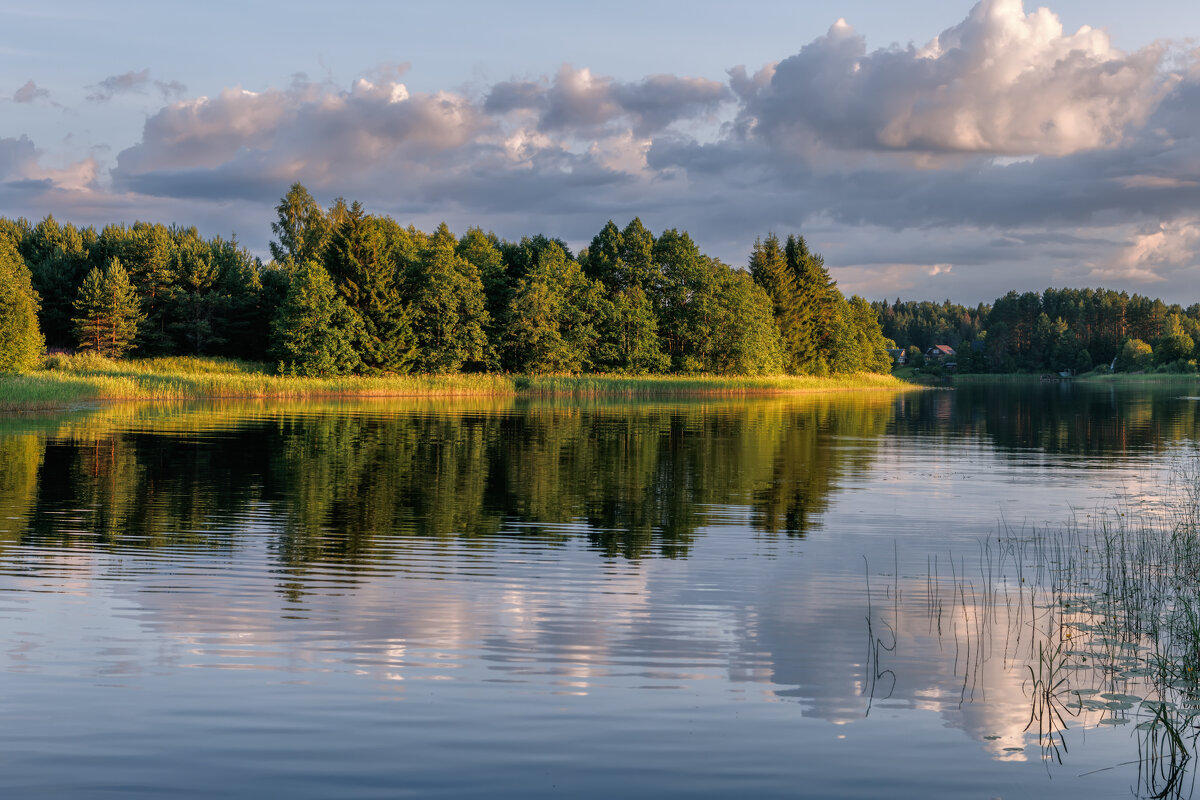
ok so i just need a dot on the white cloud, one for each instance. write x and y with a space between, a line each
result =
1154 252
1001 82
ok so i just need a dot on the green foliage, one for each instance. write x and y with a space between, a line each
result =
448 308
108 311
551 318
359 260
770 269
629 334
1135 356
20 337
301 229
1173 347
746 340
315 333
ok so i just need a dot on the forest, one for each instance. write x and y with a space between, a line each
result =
349 292
1055 330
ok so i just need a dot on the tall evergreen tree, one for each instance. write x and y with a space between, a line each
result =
482 251
357 261
770 269
817 307
108 311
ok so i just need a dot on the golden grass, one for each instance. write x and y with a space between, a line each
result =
74 380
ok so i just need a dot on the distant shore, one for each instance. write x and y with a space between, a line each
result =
66 381
1091 378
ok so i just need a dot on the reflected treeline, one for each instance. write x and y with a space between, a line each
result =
356 484
1060 418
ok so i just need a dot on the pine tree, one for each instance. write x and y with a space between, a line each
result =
20 338
108 311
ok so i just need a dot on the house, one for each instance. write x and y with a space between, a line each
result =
939 351
899 357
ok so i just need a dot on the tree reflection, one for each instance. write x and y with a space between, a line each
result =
357 485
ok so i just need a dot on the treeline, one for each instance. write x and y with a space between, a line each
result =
1058 329
351 292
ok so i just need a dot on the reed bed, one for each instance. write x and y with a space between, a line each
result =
66 381
1103 617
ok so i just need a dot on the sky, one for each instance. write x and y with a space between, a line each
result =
928 150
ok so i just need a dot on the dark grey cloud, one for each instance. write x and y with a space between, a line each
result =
30 93
124 83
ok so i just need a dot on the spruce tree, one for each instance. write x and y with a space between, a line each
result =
358 261
770 270
108 311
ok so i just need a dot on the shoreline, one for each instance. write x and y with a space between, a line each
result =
67 382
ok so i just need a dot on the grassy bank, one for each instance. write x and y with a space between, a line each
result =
66 381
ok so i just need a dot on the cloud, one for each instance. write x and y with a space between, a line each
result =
578 101
170 89
1153 250
30 93
124 83
1007 147
17 155
1000 82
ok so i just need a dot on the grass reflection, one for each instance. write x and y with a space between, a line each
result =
1102 619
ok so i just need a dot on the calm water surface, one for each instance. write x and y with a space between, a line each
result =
757 599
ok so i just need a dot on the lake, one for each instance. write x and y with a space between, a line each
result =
818 596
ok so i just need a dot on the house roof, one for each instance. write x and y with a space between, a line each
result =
945 348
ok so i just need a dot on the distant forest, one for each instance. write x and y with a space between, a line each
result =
348 292
1056 330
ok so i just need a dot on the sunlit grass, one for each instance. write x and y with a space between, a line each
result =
73 380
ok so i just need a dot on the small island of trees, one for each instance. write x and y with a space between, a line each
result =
348 292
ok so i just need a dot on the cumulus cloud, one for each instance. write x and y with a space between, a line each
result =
1154 250
124 83
1007 147
1000 82
29 93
